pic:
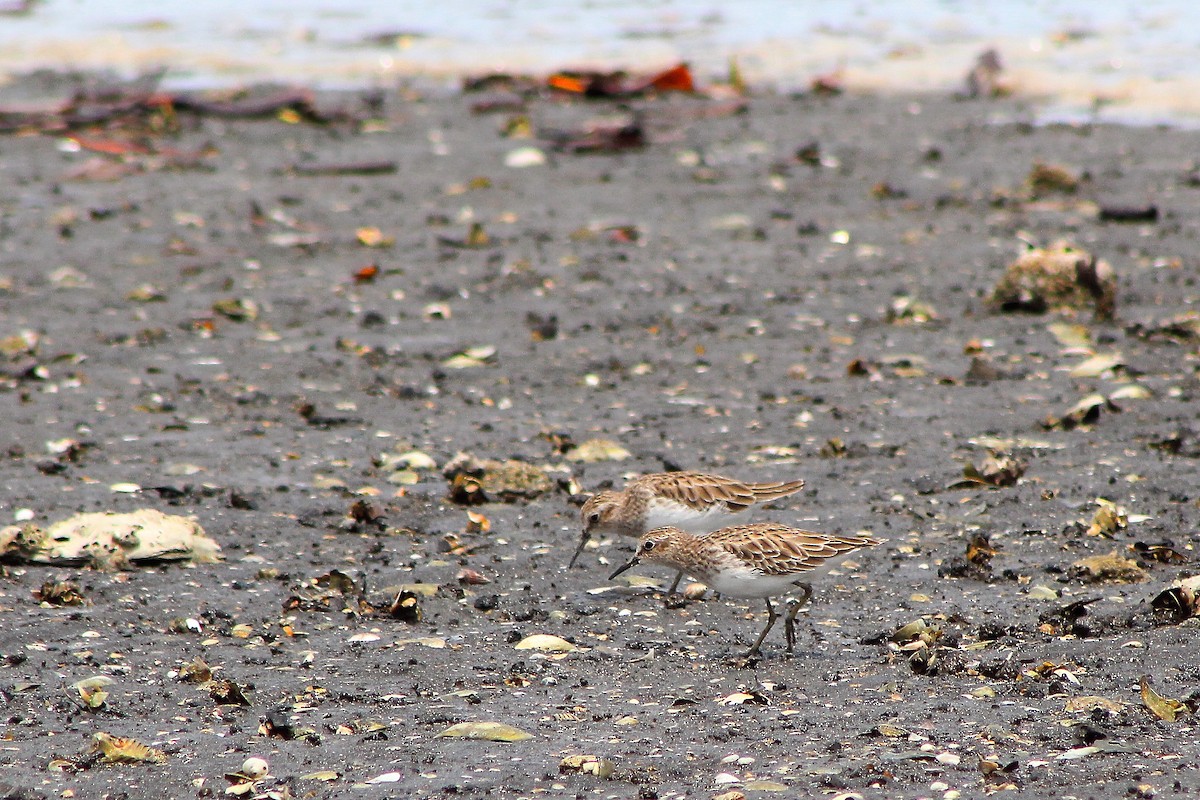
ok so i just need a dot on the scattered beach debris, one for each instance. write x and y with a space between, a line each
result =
1129 213
1108 568
1045 179
487 731
1054 278
1177 329
476 480
107 540
123 750
1179 602
1167 709
594 450
996 471
586 764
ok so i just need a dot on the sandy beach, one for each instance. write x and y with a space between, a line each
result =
288 327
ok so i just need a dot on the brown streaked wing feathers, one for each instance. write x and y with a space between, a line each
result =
699 490
774 489
780 550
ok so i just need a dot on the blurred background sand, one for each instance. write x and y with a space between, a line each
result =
1119 61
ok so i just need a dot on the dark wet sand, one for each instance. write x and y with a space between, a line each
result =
722 339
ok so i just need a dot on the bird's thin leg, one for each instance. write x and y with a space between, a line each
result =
771 617
789 624
675 583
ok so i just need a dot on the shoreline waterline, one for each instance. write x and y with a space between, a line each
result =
1073 63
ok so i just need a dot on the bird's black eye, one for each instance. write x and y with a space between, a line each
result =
648 545
593 518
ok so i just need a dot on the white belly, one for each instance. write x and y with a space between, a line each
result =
744 583
691 520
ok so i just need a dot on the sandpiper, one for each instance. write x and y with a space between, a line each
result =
759 560
691 501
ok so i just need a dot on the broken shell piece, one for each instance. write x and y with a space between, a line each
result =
1163 552
489 731
1183 327
228 693
112 541
238 309
1108 519
594 450
1087 703
416 459
917 630
387 777
478 523
996 470
907 310
122 750
321 775
406 607
1180 602
471 577
587 765
480 356
739 698
195 671
1085 412
92 690
524 157
1165 708
1098 365
546 643
1108 568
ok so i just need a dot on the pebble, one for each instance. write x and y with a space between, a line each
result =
525 157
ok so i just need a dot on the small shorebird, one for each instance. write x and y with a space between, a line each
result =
759 560
692 501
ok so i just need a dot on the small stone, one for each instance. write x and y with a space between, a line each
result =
524 157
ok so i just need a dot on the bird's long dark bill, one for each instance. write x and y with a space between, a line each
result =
633 562
582 543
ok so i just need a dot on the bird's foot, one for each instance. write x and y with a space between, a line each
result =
748 661
674 601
